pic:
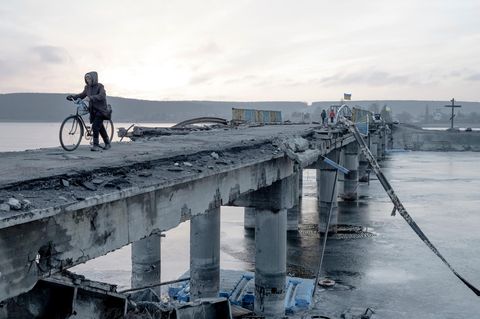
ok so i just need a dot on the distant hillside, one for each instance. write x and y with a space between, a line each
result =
44 107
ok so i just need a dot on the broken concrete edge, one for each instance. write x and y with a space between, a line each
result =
79 294
79 174
35 214
68 278
202 308
295 149
219 307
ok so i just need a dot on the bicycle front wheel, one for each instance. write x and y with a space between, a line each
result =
71 132
108 124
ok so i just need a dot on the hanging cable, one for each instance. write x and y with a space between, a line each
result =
398 206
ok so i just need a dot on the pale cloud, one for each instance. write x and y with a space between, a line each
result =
50 54
245 50
366 77
473 77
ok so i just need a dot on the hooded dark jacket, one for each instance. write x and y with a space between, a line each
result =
97 95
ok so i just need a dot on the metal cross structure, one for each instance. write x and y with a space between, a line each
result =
453 106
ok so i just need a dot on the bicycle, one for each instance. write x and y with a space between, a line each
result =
73 127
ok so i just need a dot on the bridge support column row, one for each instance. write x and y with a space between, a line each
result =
326 185
146 262
204 257
351 179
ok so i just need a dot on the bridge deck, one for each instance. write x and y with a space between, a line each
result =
85 204
18 167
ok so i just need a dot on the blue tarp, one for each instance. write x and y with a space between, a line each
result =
239 288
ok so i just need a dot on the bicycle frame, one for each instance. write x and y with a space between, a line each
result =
71 136
81 105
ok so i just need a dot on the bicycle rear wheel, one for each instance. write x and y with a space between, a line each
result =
71 132
109 128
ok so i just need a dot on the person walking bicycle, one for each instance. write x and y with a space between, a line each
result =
94 94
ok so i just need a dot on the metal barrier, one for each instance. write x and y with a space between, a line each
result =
256 116
361 118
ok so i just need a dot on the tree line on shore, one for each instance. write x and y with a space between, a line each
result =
52 107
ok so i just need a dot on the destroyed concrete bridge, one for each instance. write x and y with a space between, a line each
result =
68 208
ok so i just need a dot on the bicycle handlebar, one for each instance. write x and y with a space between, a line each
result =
79 102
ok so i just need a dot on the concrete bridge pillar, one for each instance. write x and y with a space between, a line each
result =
374 144
362 168
270 262
381 143
351 179
326 185
389 137
249 218
341 177
146 262
293 213
270 205
384 140
300 183
205 254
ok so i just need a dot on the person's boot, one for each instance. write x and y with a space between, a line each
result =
95 147
105 139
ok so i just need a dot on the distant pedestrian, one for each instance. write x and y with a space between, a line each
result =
94 94
331 115
324 116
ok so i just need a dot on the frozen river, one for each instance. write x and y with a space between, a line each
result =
392 272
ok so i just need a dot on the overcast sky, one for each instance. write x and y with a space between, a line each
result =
303 50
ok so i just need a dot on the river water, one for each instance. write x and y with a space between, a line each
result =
392 272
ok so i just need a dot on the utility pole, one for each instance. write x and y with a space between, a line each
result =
453 106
